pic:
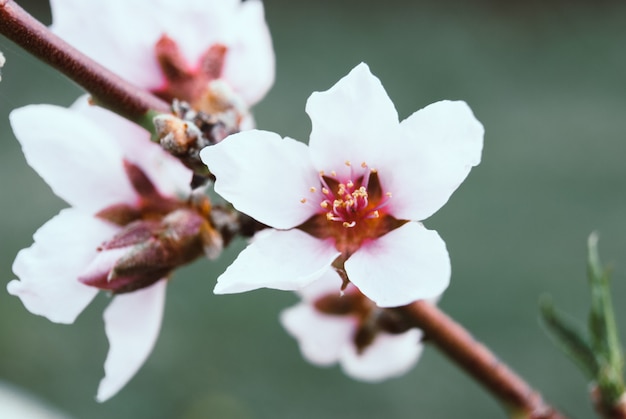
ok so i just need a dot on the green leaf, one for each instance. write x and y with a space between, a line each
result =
569 337
603 329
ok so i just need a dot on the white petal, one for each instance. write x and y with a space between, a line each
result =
166 172
443 142
322 338
407 264
388 356
49 269
264 176
353 120
250 48
74 156
132 324
284 260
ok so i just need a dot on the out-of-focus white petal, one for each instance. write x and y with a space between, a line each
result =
354 120
407 264
284 260
442 143
17 403
329 283
322 338
74 155
166 172
264 176
388 356
250 62
132 323
49 269
122 34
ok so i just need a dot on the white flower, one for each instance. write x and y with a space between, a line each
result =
353 198
367 341
176 48
107 170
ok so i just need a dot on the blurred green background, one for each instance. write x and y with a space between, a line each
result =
548 81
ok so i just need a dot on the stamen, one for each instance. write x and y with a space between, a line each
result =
347 163
312 189
325 191
349 225
303 200
363 165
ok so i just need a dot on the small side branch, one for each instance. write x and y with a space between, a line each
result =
457 343
108 89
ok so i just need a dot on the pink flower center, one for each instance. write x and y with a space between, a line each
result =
350 211
190 83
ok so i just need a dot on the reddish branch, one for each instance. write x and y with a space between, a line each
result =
107 89
479 362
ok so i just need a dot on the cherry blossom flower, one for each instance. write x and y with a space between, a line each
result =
214 54
354 198
133 218
369 343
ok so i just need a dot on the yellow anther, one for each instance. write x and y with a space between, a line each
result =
347 163
312 189
349 225
321 173
324 204
333 173
363 165
388 194
350 184
303 200
325 191
375 214
373 171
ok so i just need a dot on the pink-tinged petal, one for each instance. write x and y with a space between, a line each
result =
388 356
354 120
264 176
321 338
443 142
166 172
103 262
74 155
250 48
284 260
132 323
407 264
49 269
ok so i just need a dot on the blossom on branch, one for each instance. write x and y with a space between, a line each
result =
133 219
354 198
215 54
370 343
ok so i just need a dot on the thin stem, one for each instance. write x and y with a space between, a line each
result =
456 342
107 89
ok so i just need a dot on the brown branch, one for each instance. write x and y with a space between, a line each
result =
452 339
108 89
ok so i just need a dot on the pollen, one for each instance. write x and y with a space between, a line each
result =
303 200
355 201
